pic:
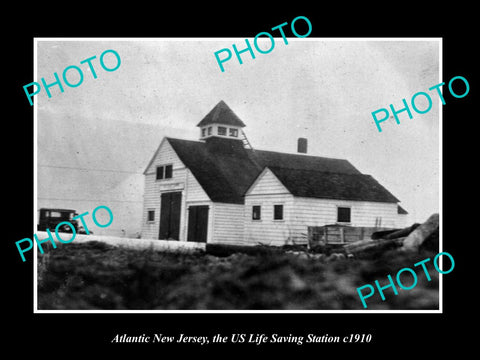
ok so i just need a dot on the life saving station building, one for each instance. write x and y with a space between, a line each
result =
220 190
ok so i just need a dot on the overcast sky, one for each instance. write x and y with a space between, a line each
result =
321 89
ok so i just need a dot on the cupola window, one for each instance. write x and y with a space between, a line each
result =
221 130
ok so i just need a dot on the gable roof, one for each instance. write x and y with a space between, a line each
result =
226 170
301 162
221 114
332 185
221 166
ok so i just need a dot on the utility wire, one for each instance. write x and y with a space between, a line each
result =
89 169
104 200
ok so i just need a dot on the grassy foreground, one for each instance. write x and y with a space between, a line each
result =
94 275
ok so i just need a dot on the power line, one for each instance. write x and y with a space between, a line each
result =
98 200
89 169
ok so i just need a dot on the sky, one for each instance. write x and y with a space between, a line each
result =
95 140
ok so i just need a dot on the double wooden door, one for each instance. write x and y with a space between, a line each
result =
170 207
197 223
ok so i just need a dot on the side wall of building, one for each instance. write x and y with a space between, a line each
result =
319 212
227 224
266 192
299 213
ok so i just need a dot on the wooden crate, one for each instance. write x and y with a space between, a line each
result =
339 234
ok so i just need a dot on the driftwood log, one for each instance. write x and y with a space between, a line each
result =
394 234
423 233
409 238
371 245
381 240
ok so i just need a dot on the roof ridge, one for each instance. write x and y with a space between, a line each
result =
315 170
269 151
301 155
193 141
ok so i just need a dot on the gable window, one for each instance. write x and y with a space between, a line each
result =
204 132
168 172
277 212
233 132
256 212
222 130
164 172
159 172
151 216
209 130
343 214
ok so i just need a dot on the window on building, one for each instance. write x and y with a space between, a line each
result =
209 130
168 172
233 132
343 214
151 215
164 172
277 212
256 212
204 132
221 130
159 172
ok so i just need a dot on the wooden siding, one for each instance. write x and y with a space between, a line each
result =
401 221
267 230
182 180
165 155
194 192
266 192
228 223
319 212
299 213
267 183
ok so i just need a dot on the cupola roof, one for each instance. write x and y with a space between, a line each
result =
221 114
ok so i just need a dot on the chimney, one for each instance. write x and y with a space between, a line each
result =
302 145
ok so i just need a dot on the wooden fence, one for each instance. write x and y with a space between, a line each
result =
339 234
